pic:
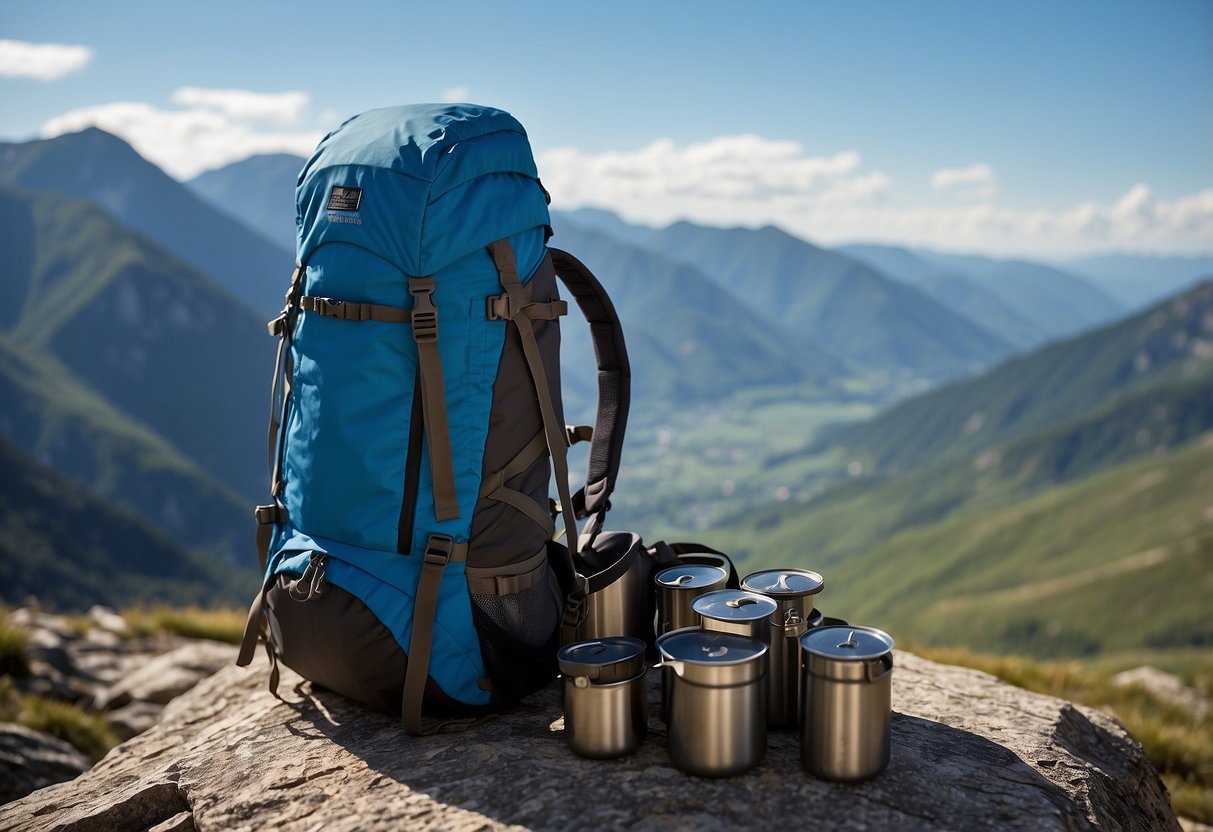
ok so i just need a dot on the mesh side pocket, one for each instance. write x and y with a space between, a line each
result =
520 633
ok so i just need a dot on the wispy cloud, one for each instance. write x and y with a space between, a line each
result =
42 61
210 129
719 180
750 180
455 95
278 107
973 182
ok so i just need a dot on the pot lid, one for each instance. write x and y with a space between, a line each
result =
605 660
734 605
784 583
847 643
703 647
691 577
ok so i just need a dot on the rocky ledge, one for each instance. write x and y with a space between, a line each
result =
969 752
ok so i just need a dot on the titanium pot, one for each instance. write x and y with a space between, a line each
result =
619 593
735 611
718 696
678 587
844 726
605 701
793 591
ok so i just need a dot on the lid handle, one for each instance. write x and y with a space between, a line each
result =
850 643
682 579
738 603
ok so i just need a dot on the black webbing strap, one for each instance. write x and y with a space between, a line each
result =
614 377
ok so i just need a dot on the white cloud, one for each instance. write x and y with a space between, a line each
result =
212 129
973 182
280 107
750 180
727 179
455 95
42 61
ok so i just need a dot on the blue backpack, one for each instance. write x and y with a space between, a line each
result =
409 553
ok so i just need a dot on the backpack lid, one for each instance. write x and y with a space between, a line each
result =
420 185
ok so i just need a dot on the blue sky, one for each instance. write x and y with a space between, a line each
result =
1012 127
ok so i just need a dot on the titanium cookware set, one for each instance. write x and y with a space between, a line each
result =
734 662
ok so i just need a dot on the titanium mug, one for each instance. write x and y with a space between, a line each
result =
847 704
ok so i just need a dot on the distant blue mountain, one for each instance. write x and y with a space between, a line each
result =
97 166
1139 279
680 328
842 303
259 191
1061 302
954 290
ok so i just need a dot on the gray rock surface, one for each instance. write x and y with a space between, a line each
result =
163 678
968 753
32 760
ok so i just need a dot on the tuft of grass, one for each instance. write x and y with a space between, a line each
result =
1177 741
224 625
89 733
14 661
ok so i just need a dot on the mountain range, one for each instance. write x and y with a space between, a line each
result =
133 362
103 169
1023 512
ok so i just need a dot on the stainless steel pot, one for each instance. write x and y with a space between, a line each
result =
678 587
794 592
619 592
605 700
844 727
735 611
718 724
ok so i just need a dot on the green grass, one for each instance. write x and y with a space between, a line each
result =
13 641
226 625
1179 743
90 734
954 555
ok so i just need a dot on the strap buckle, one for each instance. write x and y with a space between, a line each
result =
499 307
438 549
272 514
425 314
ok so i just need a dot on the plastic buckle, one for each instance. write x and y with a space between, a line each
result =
269 515
425 314
499 308
438 549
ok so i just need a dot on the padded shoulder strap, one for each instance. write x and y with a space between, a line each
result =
614 377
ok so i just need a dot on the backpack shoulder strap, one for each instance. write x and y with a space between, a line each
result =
614 382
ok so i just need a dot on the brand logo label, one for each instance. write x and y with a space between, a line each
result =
343 198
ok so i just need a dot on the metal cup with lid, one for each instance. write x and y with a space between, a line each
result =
717 723
844 726
677 589
735 611
605 701
794 592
